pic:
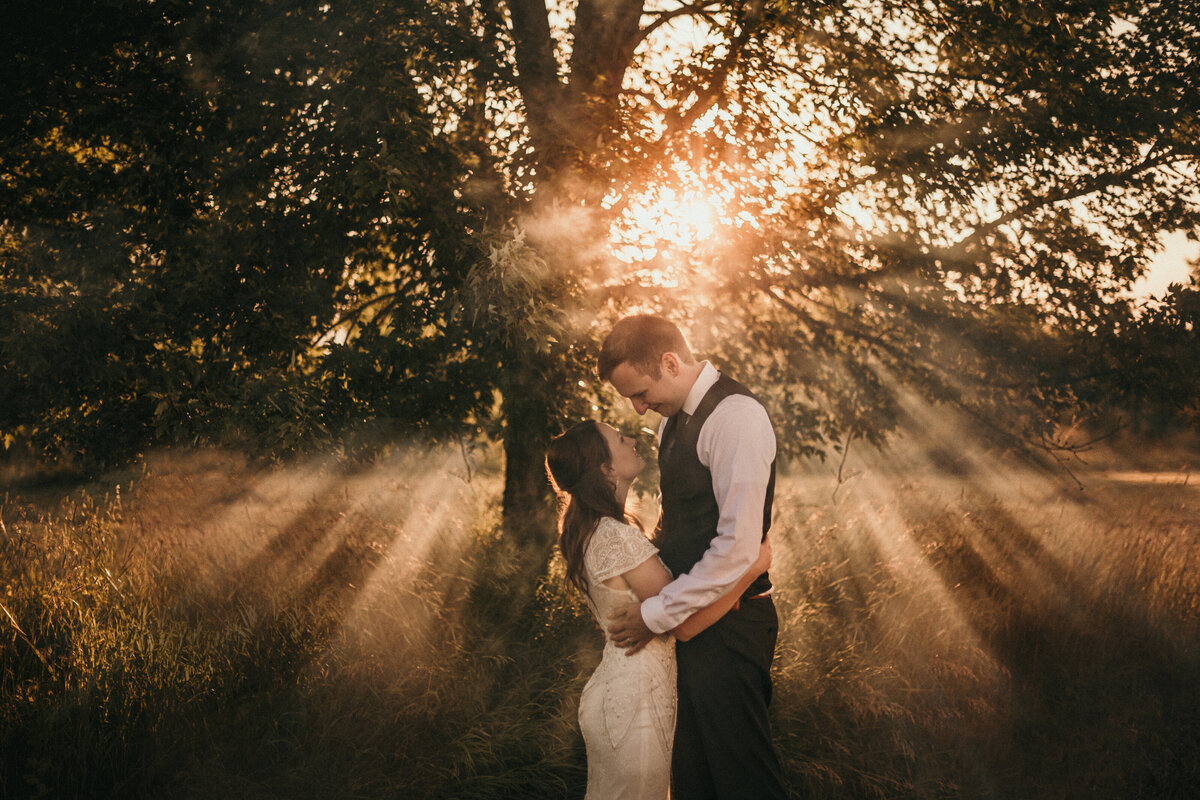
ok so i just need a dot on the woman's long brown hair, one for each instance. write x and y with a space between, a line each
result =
573 462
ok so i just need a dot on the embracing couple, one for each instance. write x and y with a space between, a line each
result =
681 693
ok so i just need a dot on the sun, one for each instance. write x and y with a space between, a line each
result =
666 220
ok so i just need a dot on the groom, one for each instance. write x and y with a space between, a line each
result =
717 474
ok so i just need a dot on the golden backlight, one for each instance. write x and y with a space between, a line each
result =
665 219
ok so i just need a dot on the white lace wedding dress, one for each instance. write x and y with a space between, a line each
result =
627 711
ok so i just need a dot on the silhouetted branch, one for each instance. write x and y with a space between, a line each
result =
1055 197
686 10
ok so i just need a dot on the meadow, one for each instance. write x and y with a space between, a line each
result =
954 625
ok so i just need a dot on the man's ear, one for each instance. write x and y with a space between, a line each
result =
670 364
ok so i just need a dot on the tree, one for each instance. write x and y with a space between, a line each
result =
968 187
184 189
425 212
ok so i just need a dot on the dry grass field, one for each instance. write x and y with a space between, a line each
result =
953 626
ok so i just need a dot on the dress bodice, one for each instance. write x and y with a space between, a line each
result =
614 548
602 600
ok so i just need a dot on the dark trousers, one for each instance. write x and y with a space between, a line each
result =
723 744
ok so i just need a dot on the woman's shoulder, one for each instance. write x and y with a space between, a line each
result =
611 526
613 532
616 546
613 522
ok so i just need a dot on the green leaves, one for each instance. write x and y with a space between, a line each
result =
273 222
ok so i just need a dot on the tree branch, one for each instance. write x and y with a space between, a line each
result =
606 32
537 73
706 98
1054 197
685 10
716 86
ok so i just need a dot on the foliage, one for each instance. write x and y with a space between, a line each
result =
274 222
195 195
978 184
1148 373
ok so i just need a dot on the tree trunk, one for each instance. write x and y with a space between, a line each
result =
528 510
565 119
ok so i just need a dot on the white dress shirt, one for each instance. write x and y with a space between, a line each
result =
737 445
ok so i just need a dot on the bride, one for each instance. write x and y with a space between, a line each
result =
627 711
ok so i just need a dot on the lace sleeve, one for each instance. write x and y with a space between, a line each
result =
615 548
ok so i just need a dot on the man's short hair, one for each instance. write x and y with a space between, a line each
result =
640 341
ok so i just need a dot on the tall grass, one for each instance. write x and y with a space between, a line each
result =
206 628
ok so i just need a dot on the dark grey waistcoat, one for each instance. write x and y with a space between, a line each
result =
689 507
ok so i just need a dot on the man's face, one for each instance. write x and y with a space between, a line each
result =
646 393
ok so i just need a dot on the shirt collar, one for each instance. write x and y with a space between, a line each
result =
704 381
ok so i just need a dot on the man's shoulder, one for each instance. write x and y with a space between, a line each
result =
727 388
740 405
738 419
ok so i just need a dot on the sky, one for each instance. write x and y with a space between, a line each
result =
1170 266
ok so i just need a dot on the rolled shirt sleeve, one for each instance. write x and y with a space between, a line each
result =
737 445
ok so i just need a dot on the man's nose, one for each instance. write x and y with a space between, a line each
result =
640 406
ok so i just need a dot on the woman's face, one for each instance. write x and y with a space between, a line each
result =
626 463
